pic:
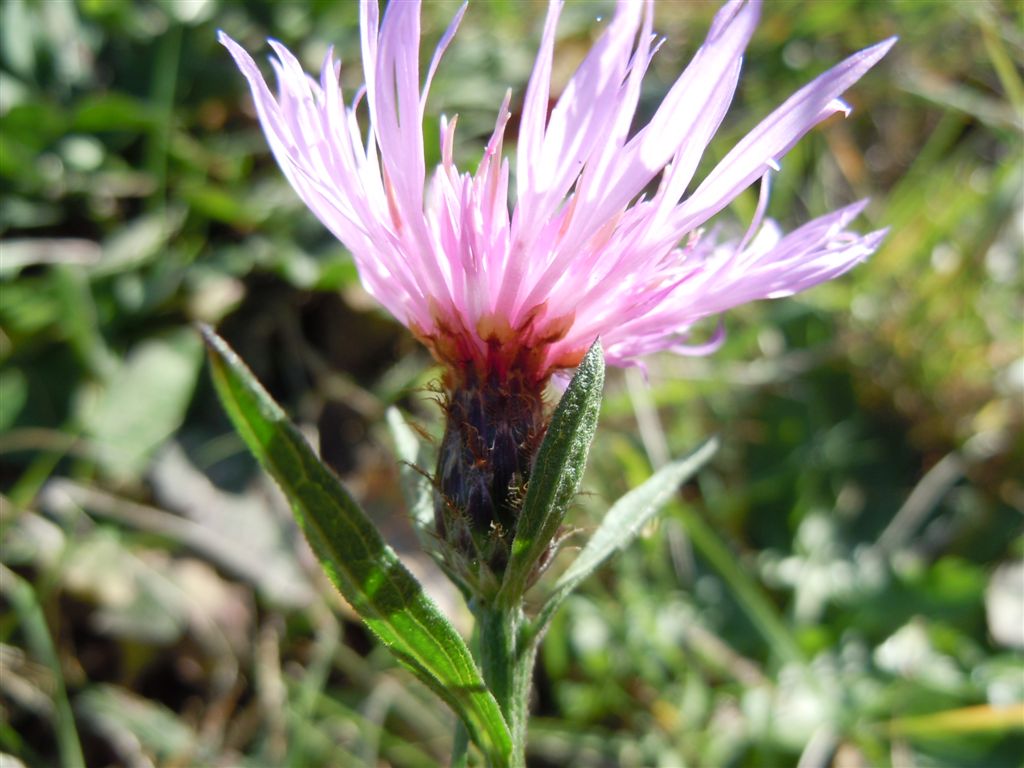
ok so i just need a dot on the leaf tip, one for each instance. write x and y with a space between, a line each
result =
217 350
208 335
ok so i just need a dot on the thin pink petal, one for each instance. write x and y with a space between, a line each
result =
775 135
583 254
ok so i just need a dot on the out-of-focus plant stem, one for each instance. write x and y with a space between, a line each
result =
23 598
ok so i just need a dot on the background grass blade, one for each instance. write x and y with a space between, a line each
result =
749 594
557 473
621 524
955 723
23 598
363 568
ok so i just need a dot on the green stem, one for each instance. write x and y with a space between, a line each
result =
507 665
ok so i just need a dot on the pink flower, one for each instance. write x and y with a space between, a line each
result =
583 253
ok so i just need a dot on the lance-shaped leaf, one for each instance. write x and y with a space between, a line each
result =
418 490
363 568
621 524
556 474
416 486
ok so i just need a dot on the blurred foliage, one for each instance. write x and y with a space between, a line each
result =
844 586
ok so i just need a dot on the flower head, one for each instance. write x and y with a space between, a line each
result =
506 295
582 253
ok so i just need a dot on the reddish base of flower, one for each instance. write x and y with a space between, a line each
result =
496 351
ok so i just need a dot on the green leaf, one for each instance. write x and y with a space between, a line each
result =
418 490
621 524
557 473
13 396
119 713
363 568
143 402
139 242
114 112
416 486
22 252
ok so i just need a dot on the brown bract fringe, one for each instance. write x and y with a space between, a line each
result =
493 429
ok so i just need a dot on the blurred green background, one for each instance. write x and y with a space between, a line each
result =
843 586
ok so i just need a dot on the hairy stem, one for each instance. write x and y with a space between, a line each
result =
507 668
